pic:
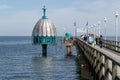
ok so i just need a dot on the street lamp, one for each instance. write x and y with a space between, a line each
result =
105 20
64 29
116 16
90 31
99 26
94 25
75 28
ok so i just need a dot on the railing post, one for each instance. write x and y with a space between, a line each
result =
97 63
108 69
116 72
102 67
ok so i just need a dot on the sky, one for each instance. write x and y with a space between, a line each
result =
18 17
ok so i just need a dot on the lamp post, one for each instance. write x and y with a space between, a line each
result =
116 16
64 29
94 25
99 27
92 30
105 20
75 29
89 29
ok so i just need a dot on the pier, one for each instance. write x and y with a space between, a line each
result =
104 63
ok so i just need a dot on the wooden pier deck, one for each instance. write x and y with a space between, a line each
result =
108 52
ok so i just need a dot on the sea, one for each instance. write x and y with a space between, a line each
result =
21 60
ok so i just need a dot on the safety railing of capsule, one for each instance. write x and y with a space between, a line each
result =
106 66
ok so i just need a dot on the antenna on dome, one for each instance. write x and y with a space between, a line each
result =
44 12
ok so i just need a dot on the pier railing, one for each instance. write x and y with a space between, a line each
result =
106 66
112 45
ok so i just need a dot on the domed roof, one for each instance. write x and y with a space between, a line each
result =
44 27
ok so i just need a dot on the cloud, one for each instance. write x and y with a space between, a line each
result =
2 7
19 23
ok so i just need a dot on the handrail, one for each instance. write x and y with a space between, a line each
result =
106 65
111 45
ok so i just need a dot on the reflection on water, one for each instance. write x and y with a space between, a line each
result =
54 69
24 62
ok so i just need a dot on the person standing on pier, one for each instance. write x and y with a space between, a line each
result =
100 41
90 39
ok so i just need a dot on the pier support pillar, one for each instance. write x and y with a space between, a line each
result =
69 50
44 50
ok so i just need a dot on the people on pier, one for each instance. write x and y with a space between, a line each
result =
95 39
100 41
82 37
85 38
90 39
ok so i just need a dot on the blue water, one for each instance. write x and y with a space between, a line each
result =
20 60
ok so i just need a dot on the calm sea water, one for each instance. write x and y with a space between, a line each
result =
20 60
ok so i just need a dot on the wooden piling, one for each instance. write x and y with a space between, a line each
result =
69 50
68 44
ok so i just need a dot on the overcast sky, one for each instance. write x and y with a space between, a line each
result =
18 17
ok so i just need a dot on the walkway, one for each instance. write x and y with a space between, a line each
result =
108 52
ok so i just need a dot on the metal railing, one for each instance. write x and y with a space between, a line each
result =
105 65
111 45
